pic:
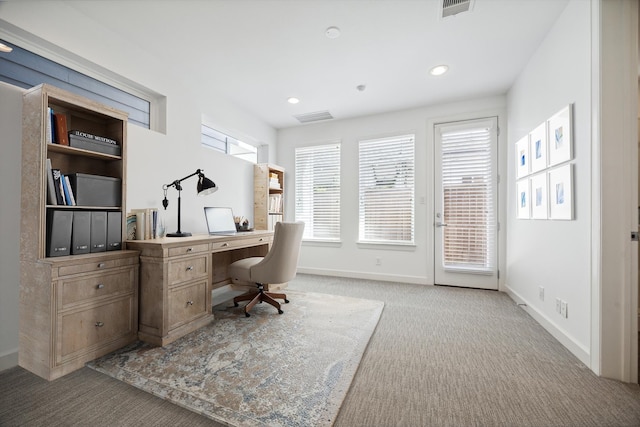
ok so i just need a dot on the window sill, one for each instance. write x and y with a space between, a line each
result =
321 242
387 245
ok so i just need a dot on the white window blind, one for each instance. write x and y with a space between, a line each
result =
226 144
318 191
468 181
387 190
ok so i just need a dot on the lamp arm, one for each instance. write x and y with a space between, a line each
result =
177 182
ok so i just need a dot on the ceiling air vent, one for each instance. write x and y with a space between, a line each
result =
453 7
314 117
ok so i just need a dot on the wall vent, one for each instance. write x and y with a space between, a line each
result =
313 117
453 7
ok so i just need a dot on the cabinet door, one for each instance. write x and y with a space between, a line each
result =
183 270
82 331
187 302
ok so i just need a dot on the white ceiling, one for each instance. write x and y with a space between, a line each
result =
257 53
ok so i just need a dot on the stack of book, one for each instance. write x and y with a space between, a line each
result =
274 181
58 133
59 188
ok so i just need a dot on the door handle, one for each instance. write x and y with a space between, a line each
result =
440 224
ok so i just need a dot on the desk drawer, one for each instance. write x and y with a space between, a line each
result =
240 243
187 302
87 288
80 331
188 269
188 250
91 265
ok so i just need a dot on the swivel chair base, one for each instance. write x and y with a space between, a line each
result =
258 297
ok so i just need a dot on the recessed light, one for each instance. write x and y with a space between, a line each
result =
439 70
333 32
361 88
293 100
5 48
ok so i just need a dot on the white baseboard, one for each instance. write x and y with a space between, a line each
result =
578 350
8 360
369 276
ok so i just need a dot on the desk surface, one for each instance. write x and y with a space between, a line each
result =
172 242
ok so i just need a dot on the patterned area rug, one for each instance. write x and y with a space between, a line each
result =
292 369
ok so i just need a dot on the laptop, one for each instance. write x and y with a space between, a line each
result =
220 221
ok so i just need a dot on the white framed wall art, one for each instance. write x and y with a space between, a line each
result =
539 196
538 148
523 199
522 157
561 192
560 136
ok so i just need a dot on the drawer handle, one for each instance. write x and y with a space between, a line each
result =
189 302
260 240
99 324
225 244
190 268
189 249
100 286
101 265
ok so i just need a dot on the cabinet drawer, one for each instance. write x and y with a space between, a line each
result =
188 268
81 330
188 250
187 302
96 286
96 265
240 243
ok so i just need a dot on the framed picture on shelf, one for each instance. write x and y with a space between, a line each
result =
523 199
539 196
538 148
560 136
522 157
561 193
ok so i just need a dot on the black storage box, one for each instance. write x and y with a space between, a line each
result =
96 190
92 145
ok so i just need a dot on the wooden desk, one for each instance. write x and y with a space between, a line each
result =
177 275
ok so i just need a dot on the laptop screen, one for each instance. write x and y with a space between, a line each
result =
220 220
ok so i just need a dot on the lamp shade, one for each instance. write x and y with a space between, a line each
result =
206 186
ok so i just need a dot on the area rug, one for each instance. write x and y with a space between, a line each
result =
292 369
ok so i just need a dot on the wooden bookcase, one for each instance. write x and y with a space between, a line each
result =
78 307
268 196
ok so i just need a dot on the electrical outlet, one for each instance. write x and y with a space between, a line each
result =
378 261
558 305
541 293
563 309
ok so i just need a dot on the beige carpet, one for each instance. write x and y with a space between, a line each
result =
266 370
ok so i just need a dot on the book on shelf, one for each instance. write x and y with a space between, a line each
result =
92 137
131 226
61 129
275 203
55 173
52 198
66 190
49 130
71 197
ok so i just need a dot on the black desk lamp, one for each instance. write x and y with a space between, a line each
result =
205 186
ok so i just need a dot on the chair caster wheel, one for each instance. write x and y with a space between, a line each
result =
286 301
280 311
247 315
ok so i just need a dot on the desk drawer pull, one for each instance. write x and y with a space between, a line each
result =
100 286
101 265
225 245
189 302
260 239
190 268
99 324
189 249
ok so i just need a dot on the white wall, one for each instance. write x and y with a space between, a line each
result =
555 254
412 265
154 158
11 125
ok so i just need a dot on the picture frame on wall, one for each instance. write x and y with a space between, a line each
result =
560 136
539 196
538 148
522 157
523 199
561 192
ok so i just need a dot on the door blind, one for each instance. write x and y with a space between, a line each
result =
469 199
318 191
386 168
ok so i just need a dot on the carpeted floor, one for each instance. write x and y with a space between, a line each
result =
267 370
438 357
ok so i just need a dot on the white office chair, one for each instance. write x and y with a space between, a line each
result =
278 266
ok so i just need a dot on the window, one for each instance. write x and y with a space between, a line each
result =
318 191
227 144
26 69
387 190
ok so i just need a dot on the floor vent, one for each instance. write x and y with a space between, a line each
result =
453 7
314 117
